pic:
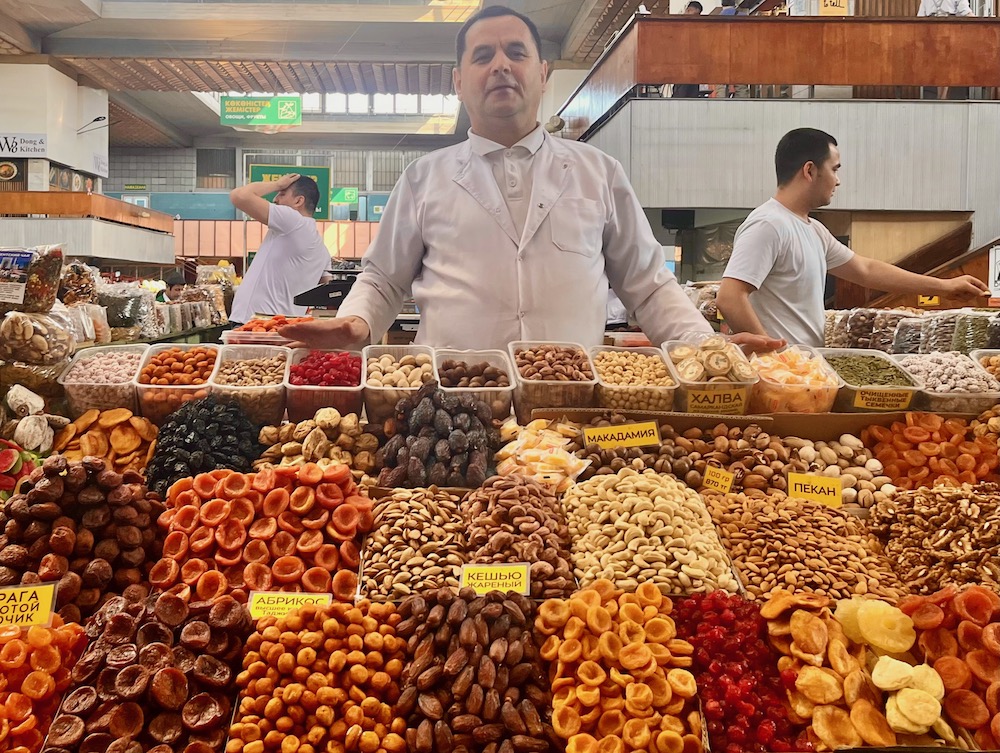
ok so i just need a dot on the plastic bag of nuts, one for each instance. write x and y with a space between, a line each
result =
516 519
634 528
474 681
790 543
39 339
159 673
322 679
417 544
33 282
618 670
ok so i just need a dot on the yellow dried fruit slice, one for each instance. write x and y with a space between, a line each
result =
818 686
872 725
886 627
841 661
943 730
847 616
779 602
815 660
901 723
892 674
782 643
926 678
834 728
84 421
917 706
800 704
111 418
780 626
809 633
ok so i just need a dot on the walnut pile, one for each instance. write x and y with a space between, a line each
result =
325 439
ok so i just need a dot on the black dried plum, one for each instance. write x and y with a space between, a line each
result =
442 423
421 450
416 475
437 474
442 450
455 479
463 422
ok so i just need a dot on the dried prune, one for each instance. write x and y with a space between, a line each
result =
211 672
226 613
106 684
169 688
66 731
171 609
155 656
202 712
196 635
119 629
154 632
132 682
183 659
97 742
166 728
122 656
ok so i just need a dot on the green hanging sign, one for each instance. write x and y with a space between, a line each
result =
319 174
254 111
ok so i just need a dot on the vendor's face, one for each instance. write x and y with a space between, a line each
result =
174 292
825 179
500 75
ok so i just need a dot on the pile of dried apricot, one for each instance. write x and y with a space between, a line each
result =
179 366
126 441
158 674
322 679
282 529
928 449
618 670
35 666
959 634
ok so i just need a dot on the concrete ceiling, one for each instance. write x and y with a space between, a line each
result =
152 53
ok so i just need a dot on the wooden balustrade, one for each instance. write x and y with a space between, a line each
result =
64 204
234 238
774 50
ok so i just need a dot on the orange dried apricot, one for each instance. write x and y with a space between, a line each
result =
591 673
598 619
13 654
966 709
566 721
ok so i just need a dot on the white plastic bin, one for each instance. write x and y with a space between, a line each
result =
84 396
380 402
498 398
156 402
304 400
263 404
537 393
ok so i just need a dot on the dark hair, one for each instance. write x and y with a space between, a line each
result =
728 3
306 188
799 146
696 4
494 11
174 277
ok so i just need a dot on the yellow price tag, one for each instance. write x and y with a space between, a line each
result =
279 604
718 479
928 300
25 606
644 434
822 489
730 402
485 578
882 400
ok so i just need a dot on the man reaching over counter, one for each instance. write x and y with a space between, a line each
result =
513 234
774 282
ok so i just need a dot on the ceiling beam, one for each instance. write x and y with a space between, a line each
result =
14 33
580 28
154 120
337 13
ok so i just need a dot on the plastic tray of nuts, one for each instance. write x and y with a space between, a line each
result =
860 398
638 393
304 400
548 393
380 400
955 401
82 396
264 403
498 398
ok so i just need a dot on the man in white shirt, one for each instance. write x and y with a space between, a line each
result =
513 234
291 258
775 279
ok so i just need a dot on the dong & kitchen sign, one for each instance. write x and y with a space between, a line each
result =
23 145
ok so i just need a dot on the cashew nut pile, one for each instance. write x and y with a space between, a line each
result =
326 439
636 527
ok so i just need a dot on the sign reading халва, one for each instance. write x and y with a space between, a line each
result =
249 111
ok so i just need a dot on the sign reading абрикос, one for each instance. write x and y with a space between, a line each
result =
279 604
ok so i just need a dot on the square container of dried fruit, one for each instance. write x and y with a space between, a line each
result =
862 398
303 400
380 402
772 396
157 401
498 398
634 397
239 337
263 404
716 398
536 393
82 396
956 402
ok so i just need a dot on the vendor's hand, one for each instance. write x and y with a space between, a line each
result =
966 288
752 343
348 333
286 180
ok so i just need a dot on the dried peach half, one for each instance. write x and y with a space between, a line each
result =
871 724
818 686
808 632
834 728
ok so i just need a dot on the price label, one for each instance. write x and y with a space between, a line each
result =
485 578
279 604
645 434
730 402
25 606
822 489
928 300
882 400
718 479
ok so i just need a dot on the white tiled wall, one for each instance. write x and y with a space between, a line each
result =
158 169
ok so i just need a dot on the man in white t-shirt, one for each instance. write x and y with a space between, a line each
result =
774 282
291 258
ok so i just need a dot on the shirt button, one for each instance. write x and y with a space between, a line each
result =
520 315
513 183
509 152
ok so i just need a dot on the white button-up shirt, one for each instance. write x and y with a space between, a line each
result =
449 234
944 8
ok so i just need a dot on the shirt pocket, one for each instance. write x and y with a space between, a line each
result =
577 226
